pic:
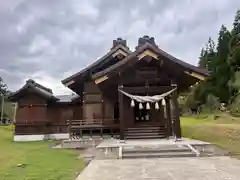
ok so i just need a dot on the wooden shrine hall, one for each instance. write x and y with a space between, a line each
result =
126 94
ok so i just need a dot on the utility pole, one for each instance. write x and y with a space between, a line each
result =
2 105
15 106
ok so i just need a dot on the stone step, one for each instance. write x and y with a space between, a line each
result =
155 150
142 136
148 125
157 155
144 130
144 133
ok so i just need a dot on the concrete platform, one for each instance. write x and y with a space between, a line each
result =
211 168
112 143
153 147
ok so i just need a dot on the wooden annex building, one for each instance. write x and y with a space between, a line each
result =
126 94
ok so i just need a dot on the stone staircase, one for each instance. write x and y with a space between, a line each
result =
145 132
161 151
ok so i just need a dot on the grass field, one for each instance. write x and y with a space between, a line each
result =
41 162
224 131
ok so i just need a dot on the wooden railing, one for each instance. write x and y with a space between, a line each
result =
71 126
76 127
31 122
23 127
93 122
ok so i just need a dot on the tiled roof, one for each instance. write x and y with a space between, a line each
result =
43 91
66 98
102 60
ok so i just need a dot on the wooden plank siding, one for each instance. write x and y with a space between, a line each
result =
36 115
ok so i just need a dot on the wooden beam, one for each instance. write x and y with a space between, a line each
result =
121 108
101 79
144 89
147 53
121 115
196 75
119 51
69 83
103 110
82 105
169 118
176 115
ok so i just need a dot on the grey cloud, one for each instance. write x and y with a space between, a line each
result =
49 40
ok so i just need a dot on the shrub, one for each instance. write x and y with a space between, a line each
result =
235 106
212 104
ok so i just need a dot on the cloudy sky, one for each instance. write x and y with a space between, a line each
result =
48 40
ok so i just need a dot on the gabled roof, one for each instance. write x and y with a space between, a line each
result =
148 48
119 47
38 88
42 91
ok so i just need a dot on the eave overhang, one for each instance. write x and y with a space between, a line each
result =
151 51
116 51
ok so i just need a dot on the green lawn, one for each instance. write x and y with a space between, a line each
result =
224 131
41 162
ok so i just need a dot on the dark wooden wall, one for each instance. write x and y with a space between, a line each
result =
145 74
31 107
98 104
37 115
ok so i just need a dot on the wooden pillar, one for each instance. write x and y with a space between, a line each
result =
103 117
82 104
103 109
169 118
121 115
176 115
70 128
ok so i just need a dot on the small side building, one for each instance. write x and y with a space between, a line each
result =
41 115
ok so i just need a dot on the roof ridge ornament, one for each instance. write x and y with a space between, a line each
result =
119 41
33 83
146 39
30 81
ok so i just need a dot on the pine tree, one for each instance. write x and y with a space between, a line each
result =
221 71
202 59
206 60
211 54
234 55
223 63
207 56
236 31
234 59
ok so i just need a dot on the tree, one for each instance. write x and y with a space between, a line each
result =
207 56
202 59
234 59
3 87
206 60
234 54
210 54
235 31
221 71
223 63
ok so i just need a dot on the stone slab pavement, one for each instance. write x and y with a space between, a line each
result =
149 142
196 168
